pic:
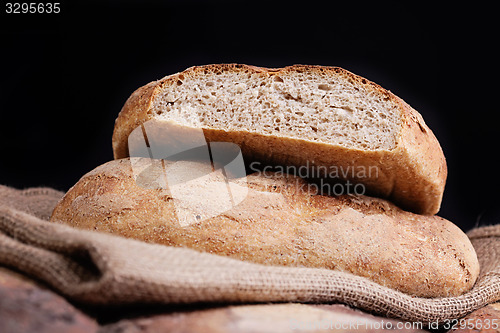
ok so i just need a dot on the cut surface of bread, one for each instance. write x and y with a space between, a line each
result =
279 222
306 104
301 115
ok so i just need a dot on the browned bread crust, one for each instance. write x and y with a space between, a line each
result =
412 174
281 223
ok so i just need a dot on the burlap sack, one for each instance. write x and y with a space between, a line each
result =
98 268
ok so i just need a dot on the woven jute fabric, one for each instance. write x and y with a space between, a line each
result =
101 269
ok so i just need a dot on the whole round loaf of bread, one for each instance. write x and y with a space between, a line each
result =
282 222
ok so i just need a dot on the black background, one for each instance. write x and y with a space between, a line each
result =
64 77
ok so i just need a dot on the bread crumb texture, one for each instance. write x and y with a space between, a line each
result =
320 104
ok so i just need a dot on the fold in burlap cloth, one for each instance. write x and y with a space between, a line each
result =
96 268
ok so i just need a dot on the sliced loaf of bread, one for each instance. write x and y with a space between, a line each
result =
301 115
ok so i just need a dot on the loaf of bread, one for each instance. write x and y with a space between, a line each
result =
281 221
301 116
